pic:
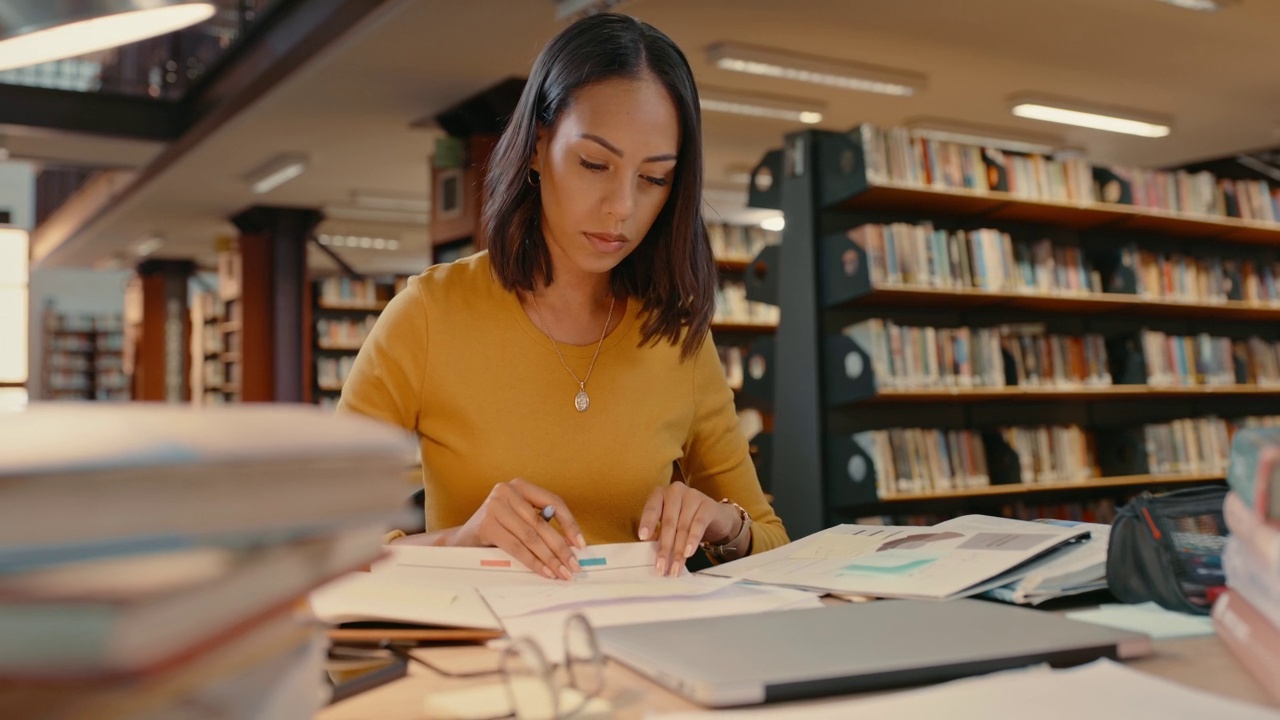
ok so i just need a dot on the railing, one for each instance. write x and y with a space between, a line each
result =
164 68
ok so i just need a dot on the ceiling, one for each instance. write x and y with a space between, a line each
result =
350 111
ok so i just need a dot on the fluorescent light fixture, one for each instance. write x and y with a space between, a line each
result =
358 241
391 217
956 131
774 224
773 107
817 70
39 31
1201 5
1096 117
384 201
276 172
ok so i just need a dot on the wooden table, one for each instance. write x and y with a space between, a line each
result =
1203 663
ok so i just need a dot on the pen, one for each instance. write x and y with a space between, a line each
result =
548 512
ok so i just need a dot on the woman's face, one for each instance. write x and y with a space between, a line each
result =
606 171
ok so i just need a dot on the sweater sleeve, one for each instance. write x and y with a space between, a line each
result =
387 378
717 460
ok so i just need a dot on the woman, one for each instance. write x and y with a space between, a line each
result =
564 371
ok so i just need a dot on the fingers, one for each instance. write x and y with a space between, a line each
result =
524 523
539 498
500 537
651 514
696 528
672 497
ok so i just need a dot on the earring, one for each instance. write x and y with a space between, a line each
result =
534 179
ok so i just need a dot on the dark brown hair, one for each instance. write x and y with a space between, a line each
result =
672 273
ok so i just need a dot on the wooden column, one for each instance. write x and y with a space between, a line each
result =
162 333
275 307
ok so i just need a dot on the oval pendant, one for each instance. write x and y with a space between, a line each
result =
581 401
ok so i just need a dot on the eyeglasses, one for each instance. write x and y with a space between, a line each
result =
536 689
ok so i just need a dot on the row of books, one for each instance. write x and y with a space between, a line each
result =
739 242
920 461
1176 276
188 603
83 323
1191 360
1061 453
732 306
898 156
214 340
988 259
903 157
331 373
1199 193
916 461
1247 615
927 357
344 333
1188 445
350 292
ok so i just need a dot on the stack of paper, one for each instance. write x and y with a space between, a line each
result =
961 557
1076 568
484 588
152 557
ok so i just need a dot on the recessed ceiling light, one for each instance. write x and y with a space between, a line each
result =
817 70
39 31
1096 117
773 107
1201 5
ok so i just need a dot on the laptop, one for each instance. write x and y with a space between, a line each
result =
854 647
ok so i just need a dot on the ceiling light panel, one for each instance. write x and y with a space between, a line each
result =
766 62
1088 115
39 31
774 107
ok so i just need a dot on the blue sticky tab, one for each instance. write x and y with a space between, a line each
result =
591 562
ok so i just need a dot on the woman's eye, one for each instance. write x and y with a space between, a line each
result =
595 167
655 181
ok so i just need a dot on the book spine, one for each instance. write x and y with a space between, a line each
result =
1254 641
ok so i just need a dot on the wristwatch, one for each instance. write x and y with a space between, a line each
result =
721 552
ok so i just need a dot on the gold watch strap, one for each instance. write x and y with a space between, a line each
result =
718 551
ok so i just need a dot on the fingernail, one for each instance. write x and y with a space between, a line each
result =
575 565
662 566
675 569
547 571
564 573
582 542
688 550
644 533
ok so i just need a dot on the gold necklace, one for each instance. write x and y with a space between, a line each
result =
581 401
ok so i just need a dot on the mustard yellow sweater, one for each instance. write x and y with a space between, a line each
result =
455 358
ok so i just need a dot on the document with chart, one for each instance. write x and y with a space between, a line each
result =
952 560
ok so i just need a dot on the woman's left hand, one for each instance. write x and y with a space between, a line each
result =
688 517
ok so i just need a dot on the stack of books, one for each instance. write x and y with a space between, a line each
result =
154 560
1247 615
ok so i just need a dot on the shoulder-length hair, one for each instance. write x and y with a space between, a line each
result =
672 273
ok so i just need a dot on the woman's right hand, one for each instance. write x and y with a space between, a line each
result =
511 519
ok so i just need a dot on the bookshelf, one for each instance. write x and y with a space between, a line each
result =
210 358
1178 276
344 311
83 357
743 330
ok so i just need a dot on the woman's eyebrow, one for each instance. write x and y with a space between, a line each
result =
614 148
